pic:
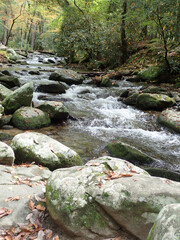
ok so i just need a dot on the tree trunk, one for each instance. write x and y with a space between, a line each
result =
123 32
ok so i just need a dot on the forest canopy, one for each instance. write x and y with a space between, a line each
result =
98 31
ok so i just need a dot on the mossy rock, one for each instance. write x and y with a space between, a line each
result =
4 92
127 152
131 99
5 119
1 110
20 97
9 81
30 118
151 73
148 101
171 119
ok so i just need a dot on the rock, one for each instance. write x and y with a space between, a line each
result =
51 88
7 127
171 119
51 60
6 72
1 110
5 136
127 152
12 54
4 92
5 119
87 205
55 110
148 101
9 81
124 93
12 186
159 172
132 98
133 78
39 148
34 72
157 90
20 97
167 224
30 118
68 76
6 154
106 82
54 98
151 73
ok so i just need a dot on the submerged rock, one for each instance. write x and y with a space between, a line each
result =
127 152
106 194
55 110
39 148
4 92
6 154
171 119
9 81
30 118
20 97
148 101
167 224
66 75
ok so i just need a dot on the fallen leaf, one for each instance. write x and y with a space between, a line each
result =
31 204
10 199
79 169
93 164
5 212
168 181
56 238
113 175
40 207
48 233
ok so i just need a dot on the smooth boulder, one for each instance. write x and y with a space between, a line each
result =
9 81
148 101
55 110
68 76
171 119
5 119
39 148
92 200
167 224
30 118
127 152
4 92
151 73
6 154
20 97
51 88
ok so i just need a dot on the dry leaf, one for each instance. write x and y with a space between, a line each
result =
93 164
48 233
5 212
40 207
31 204
79 169
56 238
10 199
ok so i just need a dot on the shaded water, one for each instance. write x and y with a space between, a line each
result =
103 119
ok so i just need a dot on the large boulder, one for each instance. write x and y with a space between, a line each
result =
132 98
30 118
5 119
39 148
68 76
4 92
127 152
91 200
148 101
167 224
6 154
171 119
55 110
49 87
151 73
20 97
9 81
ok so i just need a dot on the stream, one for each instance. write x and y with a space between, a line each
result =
101 118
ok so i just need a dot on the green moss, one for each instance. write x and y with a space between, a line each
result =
169 123
150 236
151 73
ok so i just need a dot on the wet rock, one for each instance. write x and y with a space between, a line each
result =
84 91
7 127
30 118
157 90
39 148
5 136
22 62
6 72
1 110
34 72
159 172
127 152
55 110
68 76
167 223
4 92
51 88
5 119
124 93
20 97
51 60
133 78
148 101
132 98
85 203
171 119
9 81
12 186
6 154
53 98
151 73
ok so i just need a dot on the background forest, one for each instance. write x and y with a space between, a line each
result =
101 32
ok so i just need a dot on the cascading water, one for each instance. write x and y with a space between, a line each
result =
103 119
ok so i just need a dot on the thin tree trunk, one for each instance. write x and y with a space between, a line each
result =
123 32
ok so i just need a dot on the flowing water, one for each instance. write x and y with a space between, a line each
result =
103 119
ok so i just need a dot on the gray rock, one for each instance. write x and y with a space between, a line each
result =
9 81
55 110
30 118
167 224
131 99
51 88
171 119
20 97
66 75
11 185
5 119
89 200
1 110
6 154
4 92
39 148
